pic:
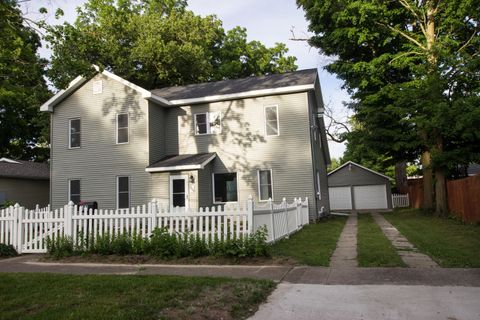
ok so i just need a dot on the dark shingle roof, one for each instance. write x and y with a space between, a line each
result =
182 160
25 170
295 78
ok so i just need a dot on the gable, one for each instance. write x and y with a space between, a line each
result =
354 174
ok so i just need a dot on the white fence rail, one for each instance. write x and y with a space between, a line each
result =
400 200
28 230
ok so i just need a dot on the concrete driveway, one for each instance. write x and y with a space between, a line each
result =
371 302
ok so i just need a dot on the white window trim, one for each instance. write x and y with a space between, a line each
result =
116 128
129 192
213 187
70 133
265 120
70 188
207 119
271 184
184 177
98 84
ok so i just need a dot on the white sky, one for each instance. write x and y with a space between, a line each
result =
268 21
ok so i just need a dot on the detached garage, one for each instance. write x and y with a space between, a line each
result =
354 187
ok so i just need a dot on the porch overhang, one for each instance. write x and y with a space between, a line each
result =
182 162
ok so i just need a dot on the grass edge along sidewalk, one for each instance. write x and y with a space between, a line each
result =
314 244
451 243
373 247
56 296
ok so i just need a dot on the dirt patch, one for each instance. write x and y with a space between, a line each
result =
140 259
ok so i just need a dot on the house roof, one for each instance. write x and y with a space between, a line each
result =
24 169
182 162
289 82
360 166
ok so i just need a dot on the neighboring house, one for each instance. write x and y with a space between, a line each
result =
353 187
190 146
24 182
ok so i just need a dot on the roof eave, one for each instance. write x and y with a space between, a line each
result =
184 167
62 94
360 166
243 95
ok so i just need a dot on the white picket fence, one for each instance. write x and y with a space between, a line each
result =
400 200
28 230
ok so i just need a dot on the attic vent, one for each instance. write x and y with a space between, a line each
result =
97 87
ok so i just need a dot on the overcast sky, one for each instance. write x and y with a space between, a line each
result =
268 21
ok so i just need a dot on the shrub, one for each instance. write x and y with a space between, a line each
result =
163 245
7 250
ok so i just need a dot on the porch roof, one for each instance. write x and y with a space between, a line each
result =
182 162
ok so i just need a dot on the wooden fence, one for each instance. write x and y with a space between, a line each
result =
28 230
463 197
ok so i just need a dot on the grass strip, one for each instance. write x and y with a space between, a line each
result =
56 296
451 243
314 244
374 249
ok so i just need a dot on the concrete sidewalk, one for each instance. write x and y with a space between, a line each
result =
298 274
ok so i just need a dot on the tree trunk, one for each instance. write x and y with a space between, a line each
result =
401 177
427 180
441 205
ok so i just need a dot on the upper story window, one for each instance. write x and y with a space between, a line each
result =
122 128
265 185
74 133
271 121
207 123
74 191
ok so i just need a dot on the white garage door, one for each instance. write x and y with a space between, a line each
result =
340 198
370 197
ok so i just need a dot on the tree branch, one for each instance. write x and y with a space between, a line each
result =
411 39
335 129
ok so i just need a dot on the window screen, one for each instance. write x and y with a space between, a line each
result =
225 186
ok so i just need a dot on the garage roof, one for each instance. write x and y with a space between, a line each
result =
20 169
360 166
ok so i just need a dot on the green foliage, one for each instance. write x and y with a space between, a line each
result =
8 203
163 245
413 90
155 44
7 250
23 129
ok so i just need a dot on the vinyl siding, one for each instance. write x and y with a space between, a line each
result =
100 160
27 193
243 147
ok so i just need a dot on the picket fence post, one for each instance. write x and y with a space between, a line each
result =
295 200
67 225
154 209
272 218
308 210
250 214
17 227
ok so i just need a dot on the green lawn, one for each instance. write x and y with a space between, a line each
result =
449 242
374 249
314 244
54 296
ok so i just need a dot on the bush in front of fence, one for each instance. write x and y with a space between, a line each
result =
7 250
162 244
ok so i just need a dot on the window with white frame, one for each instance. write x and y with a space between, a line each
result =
74 191
74 133
122 128
123 192
271 121
225 187
97 87
265 185
207 123
319 189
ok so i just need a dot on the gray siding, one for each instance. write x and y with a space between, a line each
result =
359 177
156 125
243 147
319 154
27 193
100 160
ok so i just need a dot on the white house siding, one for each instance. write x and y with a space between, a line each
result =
243 147
100 160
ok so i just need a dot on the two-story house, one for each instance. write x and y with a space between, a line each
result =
189 146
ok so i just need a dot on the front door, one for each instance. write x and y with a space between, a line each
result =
178 191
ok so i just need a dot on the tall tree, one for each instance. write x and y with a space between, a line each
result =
23 129
156 43
412 67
